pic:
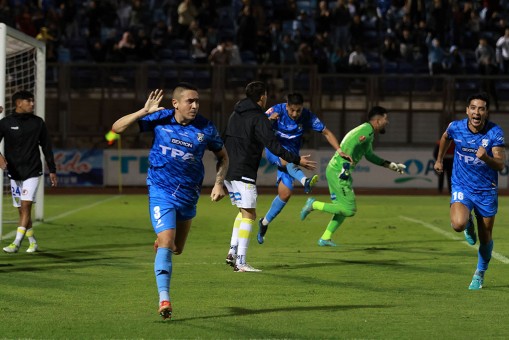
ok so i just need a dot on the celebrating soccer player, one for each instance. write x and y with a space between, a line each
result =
479 155
175 174
290 121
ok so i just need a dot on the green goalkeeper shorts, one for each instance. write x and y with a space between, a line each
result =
340 188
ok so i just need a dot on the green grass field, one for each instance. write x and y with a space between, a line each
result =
400 272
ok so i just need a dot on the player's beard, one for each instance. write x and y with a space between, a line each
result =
382 131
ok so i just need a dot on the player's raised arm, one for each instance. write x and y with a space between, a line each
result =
151 106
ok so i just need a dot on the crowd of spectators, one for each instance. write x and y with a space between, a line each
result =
435 36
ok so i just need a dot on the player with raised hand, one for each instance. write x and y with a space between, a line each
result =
290 121
175 174
479 155
356 144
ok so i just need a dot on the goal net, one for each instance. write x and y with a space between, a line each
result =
22 67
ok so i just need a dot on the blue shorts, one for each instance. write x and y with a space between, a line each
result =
282 174
164 213
484 204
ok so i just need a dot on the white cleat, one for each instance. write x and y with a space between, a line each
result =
32 248
240 268
11 248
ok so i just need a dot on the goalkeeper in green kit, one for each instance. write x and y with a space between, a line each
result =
356 144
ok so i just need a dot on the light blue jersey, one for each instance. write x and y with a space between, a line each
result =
176 168
470 173
288 131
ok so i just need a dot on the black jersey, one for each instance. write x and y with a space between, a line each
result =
247 133
22 135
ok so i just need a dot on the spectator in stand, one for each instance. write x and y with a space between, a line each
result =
143 46
455 62
24 22
438 19
187 12
357 61
320 49
199 47
305 54
288 50
220 54
323 18
390 50
46 37
247 30
127 46
275 35
341 21
305 25
503 51
406 45
339 61
159 37
436 55
357 31
487 63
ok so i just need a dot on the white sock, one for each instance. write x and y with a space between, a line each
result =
303 180
20 234
164 296
30 234
244 231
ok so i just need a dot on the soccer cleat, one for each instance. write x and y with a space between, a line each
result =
308 207
309 183
241 268
32 248
11 248
476 283
230 259
326 243
469 232
262 229
165 309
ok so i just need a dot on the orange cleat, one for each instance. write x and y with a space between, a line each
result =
165 309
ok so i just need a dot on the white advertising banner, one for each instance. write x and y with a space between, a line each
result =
132 165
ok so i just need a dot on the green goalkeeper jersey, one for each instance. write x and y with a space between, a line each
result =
357 143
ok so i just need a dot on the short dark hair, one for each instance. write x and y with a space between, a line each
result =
376 111
22 95
183 86
295 99
255 90
481 96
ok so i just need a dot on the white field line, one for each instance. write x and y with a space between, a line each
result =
12 233
451 236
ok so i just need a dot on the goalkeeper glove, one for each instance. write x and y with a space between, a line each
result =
398 167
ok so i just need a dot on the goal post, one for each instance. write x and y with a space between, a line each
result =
22 67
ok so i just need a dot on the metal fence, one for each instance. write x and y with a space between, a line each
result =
83 99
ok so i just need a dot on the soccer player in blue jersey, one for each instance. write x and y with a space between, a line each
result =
290 121
479 155
175 174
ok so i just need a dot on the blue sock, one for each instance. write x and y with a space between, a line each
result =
484 256
162 269
275 208
295 172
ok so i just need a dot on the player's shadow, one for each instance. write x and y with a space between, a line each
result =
239 311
